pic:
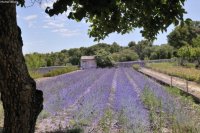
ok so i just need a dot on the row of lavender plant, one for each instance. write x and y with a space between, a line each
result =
130 111
179 117
53 84
92 106
144 82
57 98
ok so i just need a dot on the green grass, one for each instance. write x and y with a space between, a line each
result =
35 75
105 122
136 66
43 114
1 114
61 71
52 73
189 113
184 97
154 105
188 72
184 119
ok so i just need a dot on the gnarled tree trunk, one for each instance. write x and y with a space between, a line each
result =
21 101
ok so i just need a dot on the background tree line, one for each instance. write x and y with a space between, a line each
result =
106 54
183 42
186 42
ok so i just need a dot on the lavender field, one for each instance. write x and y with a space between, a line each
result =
114 100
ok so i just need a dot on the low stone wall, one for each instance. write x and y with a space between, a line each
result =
44 70
141 62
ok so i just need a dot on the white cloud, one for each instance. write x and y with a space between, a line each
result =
66 32
31 20
58 25
46 27
55 25
30 17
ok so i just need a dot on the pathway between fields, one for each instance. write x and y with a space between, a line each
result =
193 88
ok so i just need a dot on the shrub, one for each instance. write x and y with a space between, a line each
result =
125 55
104 59
185 54
35 74
61 71
136 67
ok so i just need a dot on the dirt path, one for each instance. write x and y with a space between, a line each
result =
190 87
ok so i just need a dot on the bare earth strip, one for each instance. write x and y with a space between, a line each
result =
193 88
111 101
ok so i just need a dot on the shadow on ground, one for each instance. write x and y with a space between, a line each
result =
76 130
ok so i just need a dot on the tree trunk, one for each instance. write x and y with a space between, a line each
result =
21 101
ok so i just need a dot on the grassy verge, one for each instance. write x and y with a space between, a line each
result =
60 71
181 119
52 73
1 114
35 74
136 67
154 105
188 115
105 122
188 73
184 97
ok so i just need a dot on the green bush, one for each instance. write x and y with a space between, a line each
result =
136 67
104 59
35 74
189 73
125 55
61 71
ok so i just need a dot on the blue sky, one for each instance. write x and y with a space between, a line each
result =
43 34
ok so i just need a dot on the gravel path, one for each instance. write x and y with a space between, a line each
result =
193 88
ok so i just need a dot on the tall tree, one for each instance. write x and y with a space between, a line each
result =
21 101
139 48
183 35
121 16
131 44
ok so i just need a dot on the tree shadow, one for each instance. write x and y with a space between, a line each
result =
75 130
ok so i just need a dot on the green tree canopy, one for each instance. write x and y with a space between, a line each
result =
103 58
183 35
196 41
141 45
125 55
185 54
131 44
122 16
